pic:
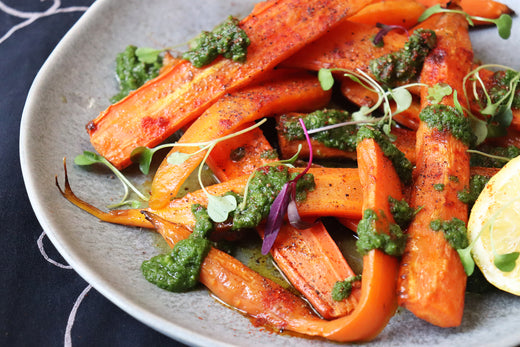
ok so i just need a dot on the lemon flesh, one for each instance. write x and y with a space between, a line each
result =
495 222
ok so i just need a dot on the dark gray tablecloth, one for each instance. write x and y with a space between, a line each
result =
40 301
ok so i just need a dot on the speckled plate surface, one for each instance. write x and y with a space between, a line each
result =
74 86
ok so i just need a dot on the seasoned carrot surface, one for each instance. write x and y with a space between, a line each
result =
162 106
286 91
431 278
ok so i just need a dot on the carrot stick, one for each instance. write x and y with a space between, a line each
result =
361 96
152 113
480 8
337 194
240 155
431 278
288 91
390 12
405 142
348 46
240 287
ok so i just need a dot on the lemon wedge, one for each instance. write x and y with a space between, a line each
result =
494 226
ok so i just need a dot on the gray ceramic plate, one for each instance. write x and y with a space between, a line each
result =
74 85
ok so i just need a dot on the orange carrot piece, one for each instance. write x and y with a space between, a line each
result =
152 113
240 155
240 287
480 8
405 142
337 194
432 279
293 91
361 96
348 46
390 12
313 263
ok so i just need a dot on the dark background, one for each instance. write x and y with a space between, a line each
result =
37 297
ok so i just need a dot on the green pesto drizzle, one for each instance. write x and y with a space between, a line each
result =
447 118
370 238
402 165
454 230
343 289
470 194
227 39
132 73
403 66
343 138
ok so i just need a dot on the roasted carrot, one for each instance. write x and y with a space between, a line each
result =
287 91
153 112
479 8
348 46
405 142
390 12
238 286
309 259
431 278
313 263
361 96
337 194
240 155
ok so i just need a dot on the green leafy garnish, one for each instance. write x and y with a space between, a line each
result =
438 92
89 158
503 23
148 55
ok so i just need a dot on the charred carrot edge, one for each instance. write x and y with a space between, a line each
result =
391 12
431 278
405 142
348 46
287 91
153 112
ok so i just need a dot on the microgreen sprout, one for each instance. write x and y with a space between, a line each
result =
473 151
503 23
218 207
401 96
499 113
285 202
504 262
89 158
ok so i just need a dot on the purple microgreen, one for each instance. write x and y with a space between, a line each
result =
285 200
276 217
385 29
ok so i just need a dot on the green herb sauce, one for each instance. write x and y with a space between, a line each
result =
179 270
343 289
369 238
509 152
263 189
403 66
470 194
227 39
132 73
447 118
454 230
343 138
402 165
500 86
401 211
438 187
